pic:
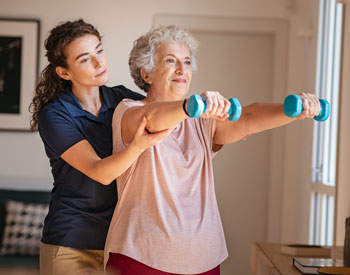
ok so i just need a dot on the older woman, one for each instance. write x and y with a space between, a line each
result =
167 219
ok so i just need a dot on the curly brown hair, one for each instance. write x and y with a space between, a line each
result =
50 85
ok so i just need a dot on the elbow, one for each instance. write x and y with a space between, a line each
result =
98 175
103 181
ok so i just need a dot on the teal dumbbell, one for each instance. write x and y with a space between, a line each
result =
196 106
293 106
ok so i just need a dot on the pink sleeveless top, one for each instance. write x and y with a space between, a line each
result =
167 215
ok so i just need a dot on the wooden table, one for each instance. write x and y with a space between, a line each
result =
266 259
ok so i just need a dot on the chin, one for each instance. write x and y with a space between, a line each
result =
103 81
181 92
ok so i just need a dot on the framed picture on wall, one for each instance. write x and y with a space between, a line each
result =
19 56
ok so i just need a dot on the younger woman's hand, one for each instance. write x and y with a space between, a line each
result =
144 140
311 105
217 105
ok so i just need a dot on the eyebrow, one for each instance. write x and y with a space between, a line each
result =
170 54
80 55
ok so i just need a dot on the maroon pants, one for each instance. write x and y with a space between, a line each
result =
119 264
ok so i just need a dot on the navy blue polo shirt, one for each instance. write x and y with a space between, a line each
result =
81 208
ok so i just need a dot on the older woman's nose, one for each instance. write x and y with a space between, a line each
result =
179 68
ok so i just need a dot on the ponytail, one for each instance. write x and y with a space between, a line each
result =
48 89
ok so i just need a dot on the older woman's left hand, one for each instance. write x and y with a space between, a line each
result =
217 105
311 105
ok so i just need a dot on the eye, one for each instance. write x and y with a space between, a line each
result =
100 51
170 60
84 60
188 62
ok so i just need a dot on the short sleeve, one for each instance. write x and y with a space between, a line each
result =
118 93
58 131
127 93
125 104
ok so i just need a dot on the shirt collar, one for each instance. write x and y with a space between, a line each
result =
71 103
73 106
108 100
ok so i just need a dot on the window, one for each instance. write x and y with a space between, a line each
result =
325 134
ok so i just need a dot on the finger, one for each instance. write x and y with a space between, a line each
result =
317 105
311 105
318 108
141 128
209 102
157 137
221 107
223 117
306 105
227 106
215 106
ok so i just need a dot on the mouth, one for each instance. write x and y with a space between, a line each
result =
102 73
180 80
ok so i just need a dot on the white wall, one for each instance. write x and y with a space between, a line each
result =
22 158
23 163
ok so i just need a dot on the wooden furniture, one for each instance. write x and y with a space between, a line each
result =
266 259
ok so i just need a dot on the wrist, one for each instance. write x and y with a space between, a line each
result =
134 149
184 106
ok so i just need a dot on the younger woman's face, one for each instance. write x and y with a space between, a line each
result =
87 63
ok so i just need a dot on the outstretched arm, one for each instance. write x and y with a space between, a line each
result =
163 115
259 117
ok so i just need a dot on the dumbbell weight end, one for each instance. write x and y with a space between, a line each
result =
196 107
293 106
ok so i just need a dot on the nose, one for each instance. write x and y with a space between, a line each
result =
179 68
98 62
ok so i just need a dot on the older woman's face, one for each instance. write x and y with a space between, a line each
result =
173 71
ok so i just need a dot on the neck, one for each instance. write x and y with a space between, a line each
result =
89 98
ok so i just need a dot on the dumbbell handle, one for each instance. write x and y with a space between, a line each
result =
196 106
293 106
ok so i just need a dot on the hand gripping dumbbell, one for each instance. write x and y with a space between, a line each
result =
293 106
196 106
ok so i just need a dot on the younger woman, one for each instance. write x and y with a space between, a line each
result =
72 109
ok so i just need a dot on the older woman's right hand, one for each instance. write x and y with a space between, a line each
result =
217 105
143 139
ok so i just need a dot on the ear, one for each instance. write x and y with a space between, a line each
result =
63 73
146 77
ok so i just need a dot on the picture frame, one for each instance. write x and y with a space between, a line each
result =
19 68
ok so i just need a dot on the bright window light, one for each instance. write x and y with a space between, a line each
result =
325 134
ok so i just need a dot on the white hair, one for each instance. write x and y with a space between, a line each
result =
144 50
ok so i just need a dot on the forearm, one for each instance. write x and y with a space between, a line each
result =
83 157
255 118
264 116
108 169
163 115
